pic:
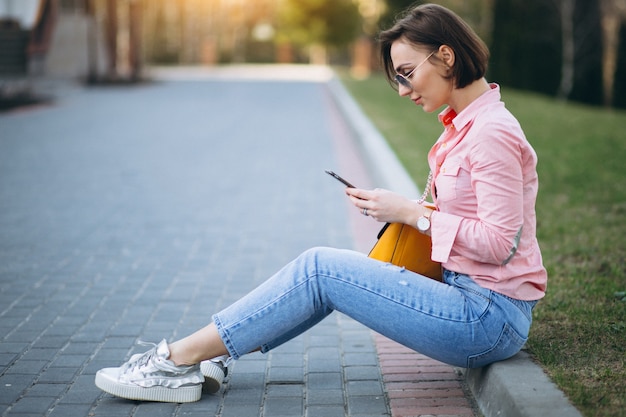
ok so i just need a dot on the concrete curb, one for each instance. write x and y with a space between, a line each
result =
517 387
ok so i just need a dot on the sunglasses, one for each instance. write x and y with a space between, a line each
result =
404 80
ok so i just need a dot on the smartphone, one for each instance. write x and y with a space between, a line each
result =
338 178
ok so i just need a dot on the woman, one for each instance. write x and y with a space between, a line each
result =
484 185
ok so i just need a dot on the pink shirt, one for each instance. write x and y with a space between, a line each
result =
485 186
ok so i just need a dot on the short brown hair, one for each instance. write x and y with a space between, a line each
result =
431 26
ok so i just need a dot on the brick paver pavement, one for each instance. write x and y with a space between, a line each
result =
134 213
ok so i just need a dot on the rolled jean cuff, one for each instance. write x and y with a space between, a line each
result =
232 352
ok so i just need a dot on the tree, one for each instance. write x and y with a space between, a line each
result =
619 86
566 8
526 45
394 7
319 23
111 38
580 55
613 18
588 52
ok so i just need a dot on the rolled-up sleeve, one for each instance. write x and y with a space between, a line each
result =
444 229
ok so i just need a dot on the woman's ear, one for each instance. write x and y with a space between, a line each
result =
446 54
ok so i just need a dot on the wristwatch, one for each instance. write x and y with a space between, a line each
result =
423 223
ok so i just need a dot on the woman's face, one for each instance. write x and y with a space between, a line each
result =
429 88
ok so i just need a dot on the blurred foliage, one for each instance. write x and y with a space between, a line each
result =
526 42
528 56
324 22
526 37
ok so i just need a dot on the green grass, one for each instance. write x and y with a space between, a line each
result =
579 329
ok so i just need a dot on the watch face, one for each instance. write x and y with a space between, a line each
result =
423 224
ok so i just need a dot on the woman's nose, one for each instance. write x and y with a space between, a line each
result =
404 90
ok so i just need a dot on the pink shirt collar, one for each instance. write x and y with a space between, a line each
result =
449 117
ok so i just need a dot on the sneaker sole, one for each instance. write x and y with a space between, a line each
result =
160 394
213 377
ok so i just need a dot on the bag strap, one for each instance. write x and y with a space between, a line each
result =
429 181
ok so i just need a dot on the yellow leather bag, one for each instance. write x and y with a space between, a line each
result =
405 246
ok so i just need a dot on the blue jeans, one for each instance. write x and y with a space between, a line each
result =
456 322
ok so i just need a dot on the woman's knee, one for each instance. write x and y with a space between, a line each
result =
320 255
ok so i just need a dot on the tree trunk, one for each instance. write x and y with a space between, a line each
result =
613 12
111 38
566 9
92 42
134 43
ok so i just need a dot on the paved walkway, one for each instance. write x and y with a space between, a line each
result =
134 213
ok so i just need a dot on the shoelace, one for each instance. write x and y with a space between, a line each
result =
143 360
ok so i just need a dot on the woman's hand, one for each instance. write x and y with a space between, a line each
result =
385 205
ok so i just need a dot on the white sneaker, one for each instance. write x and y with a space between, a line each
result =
214 371
150 376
